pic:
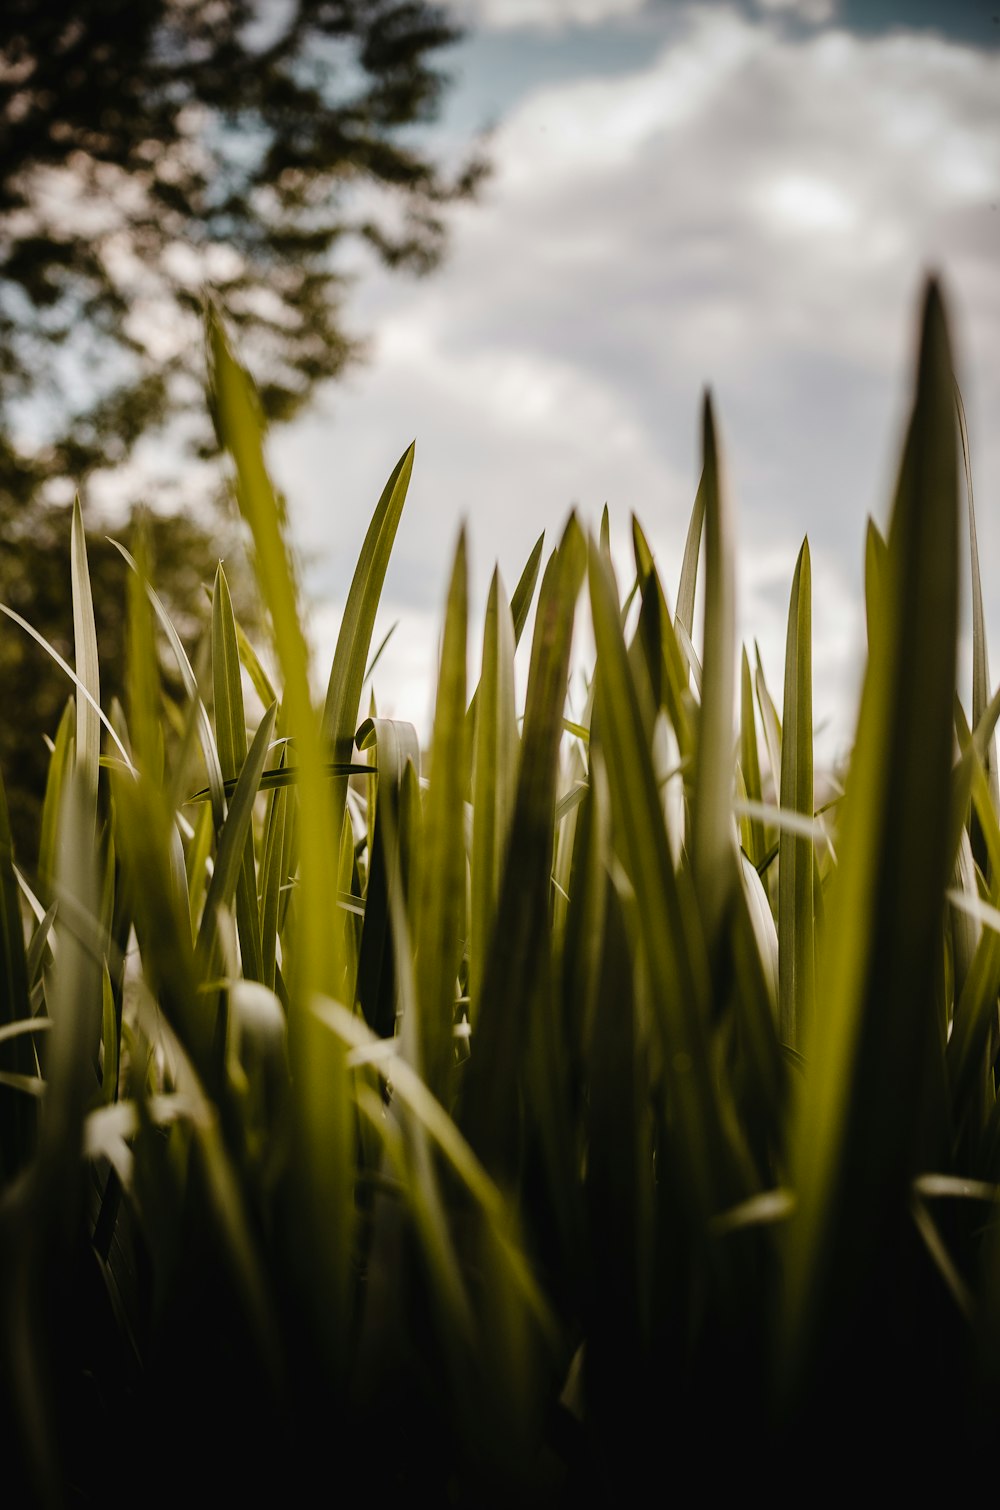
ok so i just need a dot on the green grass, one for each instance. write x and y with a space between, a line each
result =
567 1100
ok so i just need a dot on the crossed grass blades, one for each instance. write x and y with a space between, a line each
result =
514 1115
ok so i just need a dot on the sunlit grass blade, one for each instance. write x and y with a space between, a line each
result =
672 938
288 775
231 735
980 652
876 573
754 841
713 855
440 916
396 747
688 584
770 722
795 854
190 681
973 1039
874 1102
494 781
675 672
520 606
347 674
60 762
229 857
272 878
518 966
323 1124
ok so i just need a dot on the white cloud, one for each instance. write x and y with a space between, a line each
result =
754 207
814 11
804 204
545 15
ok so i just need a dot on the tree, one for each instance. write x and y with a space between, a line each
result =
149 149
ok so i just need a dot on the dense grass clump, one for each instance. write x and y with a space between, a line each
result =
568 1100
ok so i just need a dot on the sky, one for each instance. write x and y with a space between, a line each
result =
747 196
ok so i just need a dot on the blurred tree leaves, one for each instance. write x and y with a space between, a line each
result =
148 152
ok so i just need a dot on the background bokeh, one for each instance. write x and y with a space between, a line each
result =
741 195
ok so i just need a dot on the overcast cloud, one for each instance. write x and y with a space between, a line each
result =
753 204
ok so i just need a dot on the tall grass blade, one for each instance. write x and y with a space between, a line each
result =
347 674
518 967
712 839
17 1117
231 735
88 723
190 681
440 917
494 782
873 1112
229 859
980 652
397 748
753 829
796 862
324 1130
688 584
673 942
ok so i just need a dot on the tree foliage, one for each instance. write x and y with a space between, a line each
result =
148 150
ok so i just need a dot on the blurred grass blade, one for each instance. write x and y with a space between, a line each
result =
88 723
383 643
876 573
259 678
520 601
17 1119
82 690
